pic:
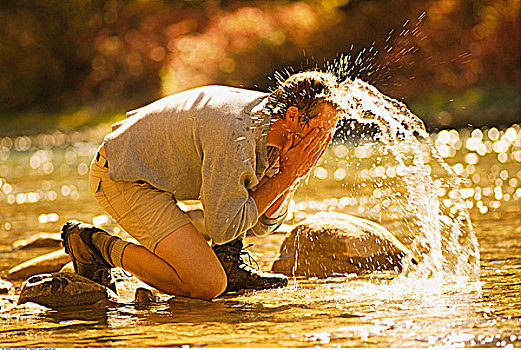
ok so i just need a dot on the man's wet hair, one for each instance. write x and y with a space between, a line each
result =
305 90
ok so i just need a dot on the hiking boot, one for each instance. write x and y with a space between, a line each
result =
86 258
241 275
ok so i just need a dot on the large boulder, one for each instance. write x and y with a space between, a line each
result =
47 263
61 289
331 243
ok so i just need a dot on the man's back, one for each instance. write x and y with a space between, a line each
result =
207 143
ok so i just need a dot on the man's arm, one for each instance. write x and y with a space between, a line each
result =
275 214
280 206
272 191
295 162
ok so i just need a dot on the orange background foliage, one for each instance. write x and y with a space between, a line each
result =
60 54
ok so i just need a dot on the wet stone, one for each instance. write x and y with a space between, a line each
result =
332 243
130 288
69 267
39 240
144 295
61 289
7 303
47 263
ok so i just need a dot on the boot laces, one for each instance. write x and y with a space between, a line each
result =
235 253
247 253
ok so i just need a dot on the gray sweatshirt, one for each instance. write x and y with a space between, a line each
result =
207 144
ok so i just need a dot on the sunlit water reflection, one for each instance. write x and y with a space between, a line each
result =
43 183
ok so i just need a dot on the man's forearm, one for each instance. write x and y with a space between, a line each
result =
274 195
296 161
280 206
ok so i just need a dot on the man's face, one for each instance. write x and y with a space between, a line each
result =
325 120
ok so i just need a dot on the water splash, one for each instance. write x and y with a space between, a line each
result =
400 45
295 265
444 239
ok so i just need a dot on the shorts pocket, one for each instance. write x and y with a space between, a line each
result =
95 184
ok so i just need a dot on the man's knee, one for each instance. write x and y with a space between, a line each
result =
209 288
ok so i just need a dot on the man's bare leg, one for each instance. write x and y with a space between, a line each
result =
182 264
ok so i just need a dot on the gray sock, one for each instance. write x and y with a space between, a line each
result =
110 247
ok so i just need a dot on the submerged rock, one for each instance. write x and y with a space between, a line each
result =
330 243
39 240
61 289
51 262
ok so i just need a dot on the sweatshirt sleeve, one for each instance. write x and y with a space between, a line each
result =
227 173
266 225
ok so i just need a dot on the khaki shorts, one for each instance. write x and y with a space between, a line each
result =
145 212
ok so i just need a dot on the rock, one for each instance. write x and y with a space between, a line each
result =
39 240
330 243
61 289
5 287
7 303
51 262
69 267
144 295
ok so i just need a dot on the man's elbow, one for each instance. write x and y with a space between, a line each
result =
220 236
260 230
221 233
220 240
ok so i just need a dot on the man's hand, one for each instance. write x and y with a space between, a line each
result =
298 158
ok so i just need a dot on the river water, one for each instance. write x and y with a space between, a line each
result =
43 183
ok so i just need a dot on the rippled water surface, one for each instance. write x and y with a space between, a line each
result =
43 183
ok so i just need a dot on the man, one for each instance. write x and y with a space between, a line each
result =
240 152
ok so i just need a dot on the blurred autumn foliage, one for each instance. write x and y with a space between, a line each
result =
459 57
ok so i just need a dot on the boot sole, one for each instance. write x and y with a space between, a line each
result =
279 283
